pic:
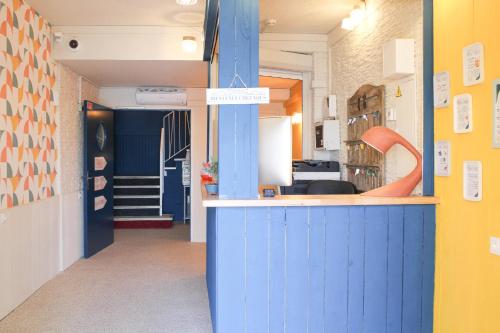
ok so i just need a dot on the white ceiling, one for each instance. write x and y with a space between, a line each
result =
305 16
120 12
131 73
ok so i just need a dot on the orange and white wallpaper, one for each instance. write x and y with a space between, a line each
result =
28 145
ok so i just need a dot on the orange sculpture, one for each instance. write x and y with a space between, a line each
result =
382 139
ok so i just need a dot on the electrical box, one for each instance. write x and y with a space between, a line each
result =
327 135
399 58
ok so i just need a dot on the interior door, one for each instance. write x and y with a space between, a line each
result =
98 171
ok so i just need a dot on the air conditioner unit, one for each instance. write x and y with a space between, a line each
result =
161 96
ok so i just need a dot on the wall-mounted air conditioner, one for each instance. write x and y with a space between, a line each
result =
161 96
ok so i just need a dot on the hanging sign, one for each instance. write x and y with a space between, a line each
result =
237 96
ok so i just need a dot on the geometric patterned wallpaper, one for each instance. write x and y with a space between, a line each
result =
28 126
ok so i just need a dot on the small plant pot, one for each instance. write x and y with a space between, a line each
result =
212 188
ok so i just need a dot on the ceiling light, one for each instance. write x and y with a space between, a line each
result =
357 15
187 2
189 44
347 24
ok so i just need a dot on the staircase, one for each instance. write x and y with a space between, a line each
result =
138 198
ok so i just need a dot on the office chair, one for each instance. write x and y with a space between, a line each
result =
331 187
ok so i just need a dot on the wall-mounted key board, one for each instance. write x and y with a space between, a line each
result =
365 165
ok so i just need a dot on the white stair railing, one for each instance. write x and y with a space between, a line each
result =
177 143
162 166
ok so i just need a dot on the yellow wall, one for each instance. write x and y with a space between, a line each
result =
467 275
293 106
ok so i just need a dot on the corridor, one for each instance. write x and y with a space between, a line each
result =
147 281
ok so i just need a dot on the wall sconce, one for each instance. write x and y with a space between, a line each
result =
189 44
382 139
297 118
355 18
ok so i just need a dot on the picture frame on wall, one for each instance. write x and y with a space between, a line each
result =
496 113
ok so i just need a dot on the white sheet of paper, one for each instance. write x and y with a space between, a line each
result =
496 113
441 90
473 180
473 63
442 158
462 113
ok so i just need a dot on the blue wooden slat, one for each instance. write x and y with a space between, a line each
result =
277 270
428 269
238 124
230 270
211 264
317 250
336 270
296 279
375 304
412 269
257 270
395 269
356 268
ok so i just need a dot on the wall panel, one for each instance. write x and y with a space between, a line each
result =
331 269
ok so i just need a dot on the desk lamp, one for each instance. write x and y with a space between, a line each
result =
382 139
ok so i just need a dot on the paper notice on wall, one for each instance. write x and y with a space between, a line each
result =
473 180
100 163
496 113
473 63
443 158
441 90
99 202
100 183
462 113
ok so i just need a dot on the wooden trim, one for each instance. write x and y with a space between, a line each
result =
210 27
316 200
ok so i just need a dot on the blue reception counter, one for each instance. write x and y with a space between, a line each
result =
326 264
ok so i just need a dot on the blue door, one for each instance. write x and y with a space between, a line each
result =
98 171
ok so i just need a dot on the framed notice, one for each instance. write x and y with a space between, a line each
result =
473 180
496 113
462 113
473 64
441 90
442 159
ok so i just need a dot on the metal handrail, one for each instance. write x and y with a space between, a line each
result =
176 143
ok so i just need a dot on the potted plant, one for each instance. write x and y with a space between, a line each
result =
209 176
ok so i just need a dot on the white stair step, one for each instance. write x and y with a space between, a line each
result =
136 207
136 196
144 218
136 186
136 177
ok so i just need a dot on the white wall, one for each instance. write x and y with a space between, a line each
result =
356 59
29 250
116 97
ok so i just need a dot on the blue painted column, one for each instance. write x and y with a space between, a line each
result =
238 124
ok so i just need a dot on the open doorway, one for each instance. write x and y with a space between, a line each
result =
152 168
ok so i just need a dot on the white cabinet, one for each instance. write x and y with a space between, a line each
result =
328 135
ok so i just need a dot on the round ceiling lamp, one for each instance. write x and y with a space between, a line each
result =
189 44
187 2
